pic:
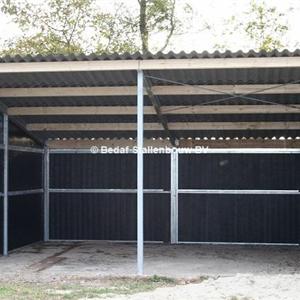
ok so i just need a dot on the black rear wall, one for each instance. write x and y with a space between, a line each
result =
108 216
239 218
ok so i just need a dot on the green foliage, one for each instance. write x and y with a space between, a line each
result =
83 26
264 26
159 17
115 32
57 26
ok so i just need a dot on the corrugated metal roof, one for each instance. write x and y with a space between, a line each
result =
179 134
128 78
114 78
149 55
165 100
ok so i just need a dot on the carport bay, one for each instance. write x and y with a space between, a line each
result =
225 195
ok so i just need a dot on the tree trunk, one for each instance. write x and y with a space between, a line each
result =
143 25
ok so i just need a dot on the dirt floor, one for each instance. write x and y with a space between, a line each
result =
229 272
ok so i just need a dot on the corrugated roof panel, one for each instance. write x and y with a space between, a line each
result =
68 79
73 101
122 78
131 100
176 134
149 55
225 76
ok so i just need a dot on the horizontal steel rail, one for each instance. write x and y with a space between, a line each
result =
25 149
70 151
96 191
239 192
238 243
239 151
160 191
191 151
25 192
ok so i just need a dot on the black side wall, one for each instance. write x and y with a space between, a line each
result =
25 213
239 218
1 200
1 184
108 216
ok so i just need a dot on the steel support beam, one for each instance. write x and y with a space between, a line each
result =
5 185
238 192
157 107
174 197
110 191
140 173
46 193
25 192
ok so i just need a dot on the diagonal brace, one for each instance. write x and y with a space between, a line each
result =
157 106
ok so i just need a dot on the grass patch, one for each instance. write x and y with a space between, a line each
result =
108 288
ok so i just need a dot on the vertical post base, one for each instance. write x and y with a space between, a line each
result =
174 197
140 173
5 185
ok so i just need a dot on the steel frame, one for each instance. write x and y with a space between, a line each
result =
200 151
140 172
193 151
174 198
175 191
239 192
105 191
5 185
25 192
46 173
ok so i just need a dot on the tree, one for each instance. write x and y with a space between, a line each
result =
54 27
266 26
136 27
157 16
83 26
263 26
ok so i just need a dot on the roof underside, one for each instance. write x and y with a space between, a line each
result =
287 76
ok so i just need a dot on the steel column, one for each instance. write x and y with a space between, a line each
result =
46 194
5 185
140 173
174 197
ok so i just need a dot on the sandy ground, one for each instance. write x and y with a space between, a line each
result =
252 272
238 287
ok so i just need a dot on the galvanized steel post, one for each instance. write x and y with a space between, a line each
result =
140 173
5 185
46 194
174 197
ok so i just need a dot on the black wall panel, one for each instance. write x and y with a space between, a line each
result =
25 212
239 218
108 216
25 170
239 171
1 128
108 171
1 225
1 169
25 224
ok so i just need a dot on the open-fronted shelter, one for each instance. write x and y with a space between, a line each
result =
242 188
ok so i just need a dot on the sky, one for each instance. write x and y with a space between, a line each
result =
212 12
